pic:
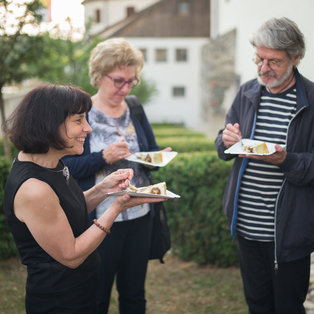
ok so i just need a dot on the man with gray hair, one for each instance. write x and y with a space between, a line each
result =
269 198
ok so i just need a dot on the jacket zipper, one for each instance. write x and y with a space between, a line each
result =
276 266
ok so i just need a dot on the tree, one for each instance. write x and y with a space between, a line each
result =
66 62
20 45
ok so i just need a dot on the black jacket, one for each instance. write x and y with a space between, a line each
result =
294 209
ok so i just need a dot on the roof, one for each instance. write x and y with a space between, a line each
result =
164 19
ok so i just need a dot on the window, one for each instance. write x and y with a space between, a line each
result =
97 16
130 11
184 8
181 55
178 91
161 55
144 52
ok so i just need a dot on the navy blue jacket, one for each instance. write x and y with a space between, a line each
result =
84 167
294 208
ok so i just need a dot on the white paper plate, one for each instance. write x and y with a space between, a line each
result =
139 194
237 147
166 156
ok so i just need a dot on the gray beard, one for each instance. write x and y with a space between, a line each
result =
276 82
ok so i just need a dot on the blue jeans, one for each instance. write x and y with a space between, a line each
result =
124 254
271 291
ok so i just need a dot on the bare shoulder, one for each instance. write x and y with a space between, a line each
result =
32 197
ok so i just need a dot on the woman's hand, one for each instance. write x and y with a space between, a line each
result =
114 182
125 201
117 181
116 151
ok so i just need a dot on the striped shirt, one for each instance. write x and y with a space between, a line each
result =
261 181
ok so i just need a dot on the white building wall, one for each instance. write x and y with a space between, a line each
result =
112 11
164 107
248 15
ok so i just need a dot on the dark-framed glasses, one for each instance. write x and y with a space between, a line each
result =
120 82
271 63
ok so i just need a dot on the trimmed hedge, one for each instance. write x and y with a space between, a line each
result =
7 246
186 144
177 132
199 229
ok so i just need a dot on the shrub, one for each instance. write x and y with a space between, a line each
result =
176 131
198 226
187 144
7 245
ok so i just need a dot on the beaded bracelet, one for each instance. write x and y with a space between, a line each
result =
106 230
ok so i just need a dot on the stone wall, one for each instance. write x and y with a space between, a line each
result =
219 81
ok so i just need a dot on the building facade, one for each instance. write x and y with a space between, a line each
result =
171 35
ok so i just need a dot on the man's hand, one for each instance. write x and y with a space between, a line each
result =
231 134
276 159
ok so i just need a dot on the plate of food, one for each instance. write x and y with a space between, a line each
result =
251 147
156 159
158 190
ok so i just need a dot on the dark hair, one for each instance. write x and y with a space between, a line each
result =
33 127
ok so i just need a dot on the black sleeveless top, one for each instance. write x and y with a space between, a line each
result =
45 274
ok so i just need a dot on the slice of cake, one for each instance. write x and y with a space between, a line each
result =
158 188
261 148
256 148
153 157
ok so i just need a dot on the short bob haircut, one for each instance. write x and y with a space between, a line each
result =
111 54
280 34
33 127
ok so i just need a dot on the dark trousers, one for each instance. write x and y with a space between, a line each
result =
124 254
271 291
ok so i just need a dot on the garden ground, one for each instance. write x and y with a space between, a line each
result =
171 288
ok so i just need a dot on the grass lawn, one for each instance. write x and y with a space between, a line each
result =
175 287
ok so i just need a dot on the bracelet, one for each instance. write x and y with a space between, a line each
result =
106 230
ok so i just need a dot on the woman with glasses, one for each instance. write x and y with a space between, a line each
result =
115 67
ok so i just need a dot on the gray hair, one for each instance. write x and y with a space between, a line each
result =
280 34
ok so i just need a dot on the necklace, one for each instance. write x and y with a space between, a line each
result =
65 172
284 87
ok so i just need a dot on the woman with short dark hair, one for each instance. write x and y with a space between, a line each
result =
46 210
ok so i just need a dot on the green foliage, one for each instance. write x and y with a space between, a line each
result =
199 228
13 150
186 143
66 62
181 139
7 246
17 48
176 132
145 90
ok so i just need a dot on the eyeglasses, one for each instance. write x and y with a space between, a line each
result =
120 82
271 63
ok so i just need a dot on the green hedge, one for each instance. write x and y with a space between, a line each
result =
181 139
7 246
198 226
186 144
178 132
